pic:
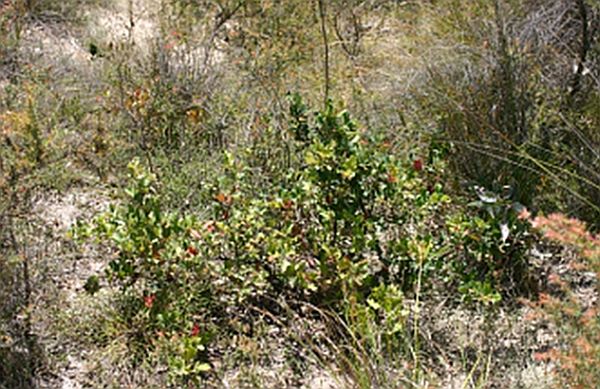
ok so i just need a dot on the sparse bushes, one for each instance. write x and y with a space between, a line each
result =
237 213
165 284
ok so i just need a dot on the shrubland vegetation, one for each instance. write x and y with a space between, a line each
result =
338 193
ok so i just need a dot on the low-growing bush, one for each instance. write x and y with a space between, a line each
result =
165 283
343 226
493 246
337 223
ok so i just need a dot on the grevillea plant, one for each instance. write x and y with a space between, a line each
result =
577 318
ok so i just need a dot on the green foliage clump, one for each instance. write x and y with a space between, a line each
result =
332 228
343 226
162 278
317 233
493 244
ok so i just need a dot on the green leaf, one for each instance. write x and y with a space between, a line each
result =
202 367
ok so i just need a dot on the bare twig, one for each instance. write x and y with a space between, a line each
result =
583 50
323 15
221 19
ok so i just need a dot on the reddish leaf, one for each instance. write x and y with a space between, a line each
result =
195 234
223 199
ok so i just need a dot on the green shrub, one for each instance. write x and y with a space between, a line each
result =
336 224
165 283
493 245
343 226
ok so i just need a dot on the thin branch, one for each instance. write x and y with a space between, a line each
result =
323 15
583 50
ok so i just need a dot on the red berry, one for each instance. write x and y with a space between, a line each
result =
418 165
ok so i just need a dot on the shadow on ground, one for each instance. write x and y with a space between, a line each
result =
21 356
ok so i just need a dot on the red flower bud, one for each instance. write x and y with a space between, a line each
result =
195 330
149 301
418 165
